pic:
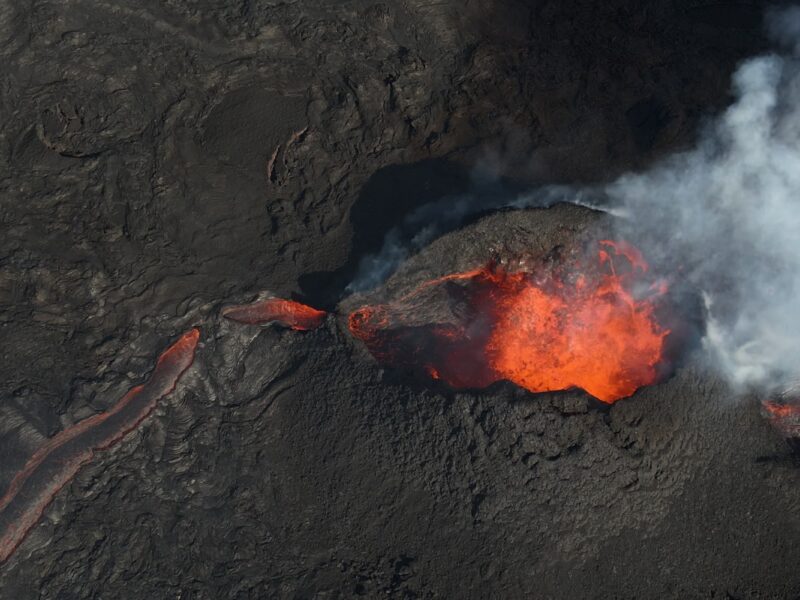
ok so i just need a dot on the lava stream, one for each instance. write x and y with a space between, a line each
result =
54 465
288 313
589 324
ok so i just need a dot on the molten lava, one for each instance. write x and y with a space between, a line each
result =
591 324
60 458
288 313
784 417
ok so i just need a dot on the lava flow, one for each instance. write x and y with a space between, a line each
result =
288 313
591 324
54 465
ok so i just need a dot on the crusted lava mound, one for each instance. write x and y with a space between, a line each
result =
577 324
548 315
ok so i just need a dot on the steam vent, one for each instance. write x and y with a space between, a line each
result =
399 300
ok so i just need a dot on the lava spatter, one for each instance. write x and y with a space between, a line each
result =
54 465
287 313
591 324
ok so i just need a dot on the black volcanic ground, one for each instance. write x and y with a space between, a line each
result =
162 158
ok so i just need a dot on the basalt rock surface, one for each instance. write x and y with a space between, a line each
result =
287 464
159 160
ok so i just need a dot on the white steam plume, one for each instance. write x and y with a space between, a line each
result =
726 217
435 218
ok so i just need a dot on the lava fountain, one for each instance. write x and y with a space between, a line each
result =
590 323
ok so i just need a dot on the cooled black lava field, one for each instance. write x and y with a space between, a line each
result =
163 160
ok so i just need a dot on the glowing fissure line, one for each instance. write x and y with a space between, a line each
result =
54 465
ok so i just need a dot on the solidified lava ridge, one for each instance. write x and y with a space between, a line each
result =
54 465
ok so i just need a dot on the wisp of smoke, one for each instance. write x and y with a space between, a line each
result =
723 217
436 218
726 217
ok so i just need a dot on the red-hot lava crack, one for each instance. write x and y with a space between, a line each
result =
54 464
288 313
783 411
784 417
590 324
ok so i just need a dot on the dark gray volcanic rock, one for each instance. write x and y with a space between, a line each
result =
288 465
160 158
512 239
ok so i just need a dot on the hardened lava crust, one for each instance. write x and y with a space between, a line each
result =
288 464
163 160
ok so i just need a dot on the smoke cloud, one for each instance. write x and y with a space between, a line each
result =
726 217
723 218
432 220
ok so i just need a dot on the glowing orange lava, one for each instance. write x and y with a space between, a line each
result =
784 417
589 325
288 313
